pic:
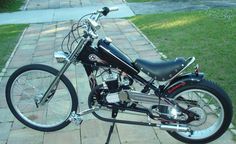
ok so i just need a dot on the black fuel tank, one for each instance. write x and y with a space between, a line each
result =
116 57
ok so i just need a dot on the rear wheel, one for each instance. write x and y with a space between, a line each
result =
213 106
28 84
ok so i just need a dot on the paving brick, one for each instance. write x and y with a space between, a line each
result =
97 131
43 52
17 125
143 48
24 53
3 103
9 71
140 42
33 29
20 61
136 134
123 46
129 51
53 4
62 137
86 2
165 138
32 35
5 130
65 4
47 39
134 38
226 138
5 115
45 45
28 41
3 82
42 59
25 136
112 33
70 127
147 53
3 142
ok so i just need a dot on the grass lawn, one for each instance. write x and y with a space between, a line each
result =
9 35
10 5
209 35
142 0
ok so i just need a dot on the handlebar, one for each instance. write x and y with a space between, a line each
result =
93 22
86 27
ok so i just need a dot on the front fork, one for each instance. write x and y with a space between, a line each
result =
68 61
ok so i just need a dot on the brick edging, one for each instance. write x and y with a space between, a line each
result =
12 54
145 37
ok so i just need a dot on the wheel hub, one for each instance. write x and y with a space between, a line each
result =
202 116
37 99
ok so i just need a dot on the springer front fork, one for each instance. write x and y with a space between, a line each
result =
61 57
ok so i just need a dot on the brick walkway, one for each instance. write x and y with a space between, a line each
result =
51 4
37 46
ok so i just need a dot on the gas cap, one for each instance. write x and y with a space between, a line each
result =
108 40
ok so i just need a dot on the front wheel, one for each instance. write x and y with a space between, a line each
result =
29 83
213 106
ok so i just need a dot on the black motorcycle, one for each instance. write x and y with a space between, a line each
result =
189 107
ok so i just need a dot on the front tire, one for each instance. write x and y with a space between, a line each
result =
31 82
214 108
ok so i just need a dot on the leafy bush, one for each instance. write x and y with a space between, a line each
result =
5 3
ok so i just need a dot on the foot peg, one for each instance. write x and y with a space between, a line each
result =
75 118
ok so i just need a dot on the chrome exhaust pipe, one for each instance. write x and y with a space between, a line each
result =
177 128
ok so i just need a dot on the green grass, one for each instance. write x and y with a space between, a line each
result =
9 35
142 0
209 35
10 5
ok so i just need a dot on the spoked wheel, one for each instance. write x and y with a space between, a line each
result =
27 85
213 106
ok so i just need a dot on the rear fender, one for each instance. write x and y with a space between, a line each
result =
181 81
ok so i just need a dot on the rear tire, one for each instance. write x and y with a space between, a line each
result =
30 82
224 116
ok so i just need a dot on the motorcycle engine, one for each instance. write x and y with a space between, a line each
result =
111 80
119 87
115 82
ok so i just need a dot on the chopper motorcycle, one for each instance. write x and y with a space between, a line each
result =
186 105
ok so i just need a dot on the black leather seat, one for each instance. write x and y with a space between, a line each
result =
161 71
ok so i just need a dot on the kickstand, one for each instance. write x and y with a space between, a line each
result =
110 132
113 115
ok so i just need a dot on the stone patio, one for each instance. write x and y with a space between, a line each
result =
52 4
